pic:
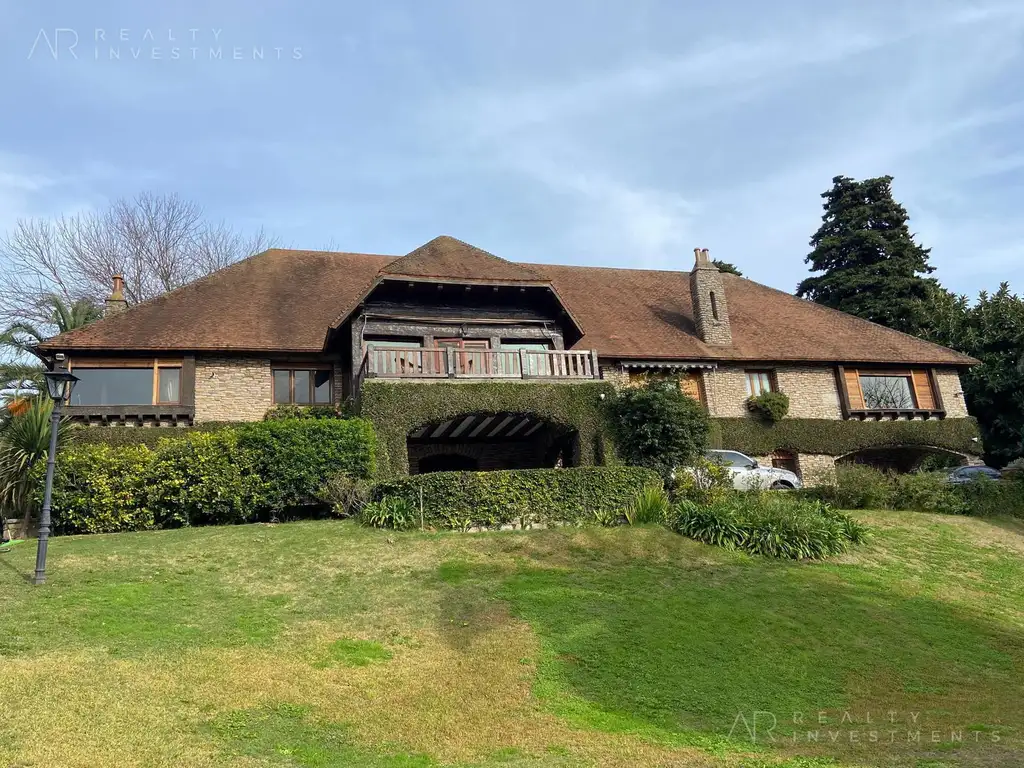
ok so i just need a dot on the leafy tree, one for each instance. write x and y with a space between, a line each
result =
725 266
871 267
992 330
658 426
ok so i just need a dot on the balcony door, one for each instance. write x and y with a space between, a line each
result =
472 356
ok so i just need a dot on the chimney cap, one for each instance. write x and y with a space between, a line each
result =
701 258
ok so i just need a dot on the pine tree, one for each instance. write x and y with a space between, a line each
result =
871 267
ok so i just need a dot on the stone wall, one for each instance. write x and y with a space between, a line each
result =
953 400
816 469
812 391
233 389
726 390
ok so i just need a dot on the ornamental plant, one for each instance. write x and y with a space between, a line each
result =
659 427
770 406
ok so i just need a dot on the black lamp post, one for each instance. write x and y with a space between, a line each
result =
59 384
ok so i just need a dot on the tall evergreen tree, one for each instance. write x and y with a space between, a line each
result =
871 267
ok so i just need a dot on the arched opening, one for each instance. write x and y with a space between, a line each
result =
448 462
904 458
491 441
714 306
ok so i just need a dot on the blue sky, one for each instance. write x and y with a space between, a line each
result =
591 132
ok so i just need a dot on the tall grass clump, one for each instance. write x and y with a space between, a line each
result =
770 525
650 506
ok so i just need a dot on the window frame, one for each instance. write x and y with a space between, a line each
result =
923 383
312 370
155 364
768 373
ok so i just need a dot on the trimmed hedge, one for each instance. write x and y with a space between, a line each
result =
838 438
397 408
100 489
150 437
462 500
249 472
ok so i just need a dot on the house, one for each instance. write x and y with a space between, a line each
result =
304 327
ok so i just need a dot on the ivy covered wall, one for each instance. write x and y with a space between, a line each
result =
396 409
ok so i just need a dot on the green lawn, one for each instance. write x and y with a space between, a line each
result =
324 644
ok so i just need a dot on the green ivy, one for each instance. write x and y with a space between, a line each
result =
397 408
150 437
770 406
523 497
838 438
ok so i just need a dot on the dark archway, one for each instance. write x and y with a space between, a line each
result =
904 458
448 462
492 441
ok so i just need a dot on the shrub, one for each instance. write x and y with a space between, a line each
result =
284 412
985 497
294 457
659 427
203 479
1015 470
99 489
703 482
928 492
770 406
391 512
771 525
345 495
462 500
859 486
650 506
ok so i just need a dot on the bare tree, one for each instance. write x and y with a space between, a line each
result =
156 242
890 392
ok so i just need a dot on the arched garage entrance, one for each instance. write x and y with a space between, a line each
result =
489 441
904 458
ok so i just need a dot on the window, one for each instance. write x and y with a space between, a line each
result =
887 392
134 382
714 306
731 459
759 382
302 386
893 390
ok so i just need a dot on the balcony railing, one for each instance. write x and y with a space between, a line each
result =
452 362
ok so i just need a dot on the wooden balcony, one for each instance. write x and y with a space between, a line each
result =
452 363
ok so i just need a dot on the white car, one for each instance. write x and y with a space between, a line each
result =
748 475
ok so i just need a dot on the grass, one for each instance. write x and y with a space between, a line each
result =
324 644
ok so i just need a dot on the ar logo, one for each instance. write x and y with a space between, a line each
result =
64 41
758 728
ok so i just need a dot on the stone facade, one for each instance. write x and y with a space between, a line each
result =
816 469
952 393
233 389
812 391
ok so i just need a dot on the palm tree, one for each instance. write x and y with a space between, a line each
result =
24 411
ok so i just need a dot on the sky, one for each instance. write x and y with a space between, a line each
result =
566 131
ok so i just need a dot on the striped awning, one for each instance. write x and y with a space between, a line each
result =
484 426
675 365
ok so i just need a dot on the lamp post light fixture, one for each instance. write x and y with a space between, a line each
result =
59 384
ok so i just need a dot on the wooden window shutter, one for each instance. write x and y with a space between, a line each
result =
690 384
853 390
923 390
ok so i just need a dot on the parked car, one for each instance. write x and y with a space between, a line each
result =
962 475
748 475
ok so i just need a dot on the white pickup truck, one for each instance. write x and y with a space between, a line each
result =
748 475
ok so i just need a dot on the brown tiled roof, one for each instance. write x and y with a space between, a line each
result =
284 300
445 257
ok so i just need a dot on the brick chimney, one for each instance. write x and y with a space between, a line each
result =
710 308
115 302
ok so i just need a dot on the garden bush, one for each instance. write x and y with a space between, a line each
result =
285 412
769 524
462 500
650 506
295 457
928 492
392 512
244 473
703 482
770 406
658 426
345 495
99 489
203 479
859 486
